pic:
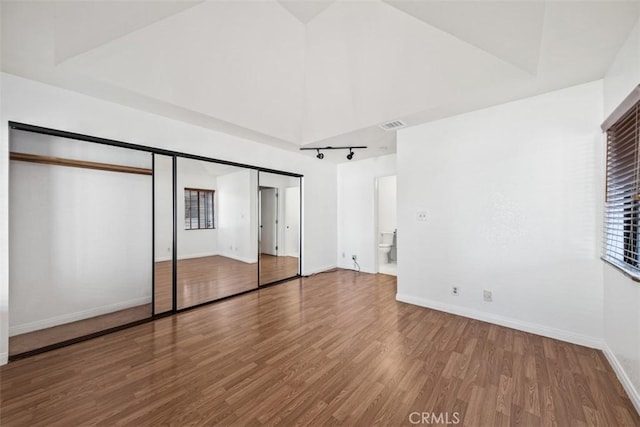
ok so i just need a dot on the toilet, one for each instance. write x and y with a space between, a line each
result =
384 247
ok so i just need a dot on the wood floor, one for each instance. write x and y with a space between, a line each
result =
200 280
38 339
335 348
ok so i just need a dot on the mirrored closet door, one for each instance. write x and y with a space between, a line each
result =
105 234
80 239
216 231
163 233
279 230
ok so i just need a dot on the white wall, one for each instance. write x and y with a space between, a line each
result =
513 195
80 244
621 294
624 73
238 215
163 210
357 223
39 104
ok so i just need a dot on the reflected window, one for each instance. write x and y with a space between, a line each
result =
198 209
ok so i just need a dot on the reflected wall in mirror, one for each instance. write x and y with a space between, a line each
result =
80 252
279 231
217 231
163 238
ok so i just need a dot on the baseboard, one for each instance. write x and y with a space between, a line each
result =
318 270
533 328
350 266
199 255
633 394
73 317
188 256
4 358
207 254
239 258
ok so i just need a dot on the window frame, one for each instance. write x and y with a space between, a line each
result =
189 209
621 219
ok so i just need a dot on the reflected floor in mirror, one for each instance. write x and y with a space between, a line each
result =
274 268
38 339
204 279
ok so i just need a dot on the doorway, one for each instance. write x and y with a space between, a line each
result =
386 227
268 233
279 227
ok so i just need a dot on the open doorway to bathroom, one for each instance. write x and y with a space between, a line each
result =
387 236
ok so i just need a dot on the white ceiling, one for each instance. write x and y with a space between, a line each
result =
294 73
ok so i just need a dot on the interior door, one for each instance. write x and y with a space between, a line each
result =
269 221
292 221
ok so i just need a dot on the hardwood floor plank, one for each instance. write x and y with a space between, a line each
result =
336 348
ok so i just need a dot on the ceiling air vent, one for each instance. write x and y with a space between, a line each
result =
393 125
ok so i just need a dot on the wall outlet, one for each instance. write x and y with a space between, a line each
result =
455 291
488 296
422 215
354 257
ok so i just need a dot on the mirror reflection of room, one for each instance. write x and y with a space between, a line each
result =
279 233
163 229
79 241
217 231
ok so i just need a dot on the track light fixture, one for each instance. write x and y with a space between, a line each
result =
320 155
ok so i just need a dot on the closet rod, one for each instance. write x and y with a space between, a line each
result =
34 158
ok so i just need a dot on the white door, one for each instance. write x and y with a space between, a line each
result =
292 221
269 221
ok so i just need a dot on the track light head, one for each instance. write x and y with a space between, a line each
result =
320 155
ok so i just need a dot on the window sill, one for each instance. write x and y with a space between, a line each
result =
633 275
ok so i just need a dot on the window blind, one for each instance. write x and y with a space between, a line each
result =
622 206
198 209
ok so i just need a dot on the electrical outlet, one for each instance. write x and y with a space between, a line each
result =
455 291
354 257
488 296
422 215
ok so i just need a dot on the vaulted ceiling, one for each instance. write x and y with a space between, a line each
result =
294 73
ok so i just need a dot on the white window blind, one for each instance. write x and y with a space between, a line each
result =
622 206
198 209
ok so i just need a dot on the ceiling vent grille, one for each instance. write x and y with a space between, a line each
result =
393 125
